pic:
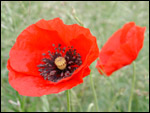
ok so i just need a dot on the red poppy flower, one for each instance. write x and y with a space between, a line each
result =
121 49
50 57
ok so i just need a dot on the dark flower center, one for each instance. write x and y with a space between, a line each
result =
59 64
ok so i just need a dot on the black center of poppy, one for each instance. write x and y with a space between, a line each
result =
59 64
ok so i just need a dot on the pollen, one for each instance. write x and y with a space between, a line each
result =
60 62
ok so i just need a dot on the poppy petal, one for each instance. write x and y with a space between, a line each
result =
26 53
121 49
72 34
36 86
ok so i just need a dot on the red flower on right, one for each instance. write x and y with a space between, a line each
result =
121 49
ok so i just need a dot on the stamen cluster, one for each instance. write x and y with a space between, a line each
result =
54 72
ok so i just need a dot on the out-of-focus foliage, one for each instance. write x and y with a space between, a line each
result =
102 18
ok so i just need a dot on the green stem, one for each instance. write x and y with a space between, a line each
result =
132 88
23 103
94 93
76 18
68 101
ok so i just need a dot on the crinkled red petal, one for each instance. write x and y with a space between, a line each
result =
121 49
26 53
74 35
28 85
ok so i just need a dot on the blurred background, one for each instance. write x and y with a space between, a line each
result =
103 19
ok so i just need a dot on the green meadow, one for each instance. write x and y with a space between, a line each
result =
103 18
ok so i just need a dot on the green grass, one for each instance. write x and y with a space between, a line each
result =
102 18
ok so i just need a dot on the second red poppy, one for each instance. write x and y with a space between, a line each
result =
121 49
